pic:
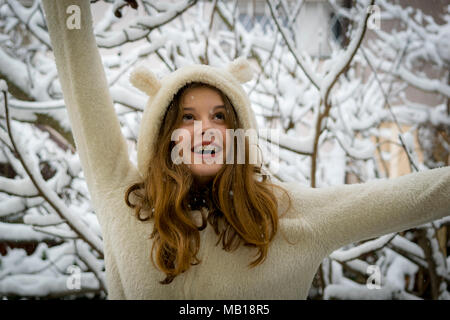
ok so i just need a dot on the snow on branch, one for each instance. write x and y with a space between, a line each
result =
345 292
18 187
22 233
32 19
29 164
369 246
142 26
338 118
298 58
340 64
47 286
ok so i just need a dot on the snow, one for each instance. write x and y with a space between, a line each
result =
353 253
14 69
33 21
37 105
20 232
432 85
439 260
343 60
42 220
30 286
91 261
400 64
298 57
30 161
3 85
128 98
443 46
14 205
345 292
399 268
408 246
298 144
23 187
362 149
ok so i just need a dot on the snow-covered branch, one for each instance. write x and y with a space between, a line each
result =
298 58
29 164
142 26
375 101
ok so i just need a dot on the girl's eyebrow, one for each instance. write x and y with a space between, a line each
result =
216 107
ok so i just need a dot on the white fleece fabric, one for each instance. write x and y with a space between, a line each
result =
321 220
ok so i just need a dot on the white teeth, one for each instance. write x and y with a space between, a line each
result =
200 149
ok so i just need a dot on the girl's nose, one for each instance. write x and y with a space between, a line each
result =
201 126
206 125
206 131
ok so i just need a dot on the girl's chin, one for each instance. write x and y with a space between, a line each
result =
205 170
206 159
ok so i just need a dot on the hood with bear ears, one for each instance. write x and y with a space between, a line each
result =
161 92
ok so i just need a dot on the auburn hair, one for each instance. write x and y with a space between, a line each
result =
241 204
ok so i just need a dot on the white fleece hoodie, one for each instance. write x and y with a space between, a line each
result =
321 220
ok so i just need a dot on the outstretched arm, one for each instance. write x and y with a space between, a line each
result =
345 214
96 129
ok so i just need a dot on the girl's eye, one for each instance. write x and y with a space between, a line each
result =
188 116
220 115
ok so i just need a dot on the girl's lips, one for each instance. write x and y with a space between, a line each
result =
216 146
207 155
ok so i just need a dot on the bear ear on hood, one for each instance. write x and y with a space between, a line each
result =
145 80
240 68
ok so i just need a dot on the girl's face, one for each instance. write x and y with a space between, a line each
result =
205 106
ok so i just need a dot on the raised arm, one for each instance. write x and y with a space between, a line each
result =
96 129
345 214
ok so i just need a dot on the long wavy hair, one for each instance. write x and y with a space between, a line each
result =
241 204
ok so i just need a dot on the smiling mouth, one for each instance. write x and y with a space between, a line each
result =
207 150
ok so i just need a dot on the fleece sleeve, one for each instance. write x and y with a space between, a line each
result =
101 146
341 215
